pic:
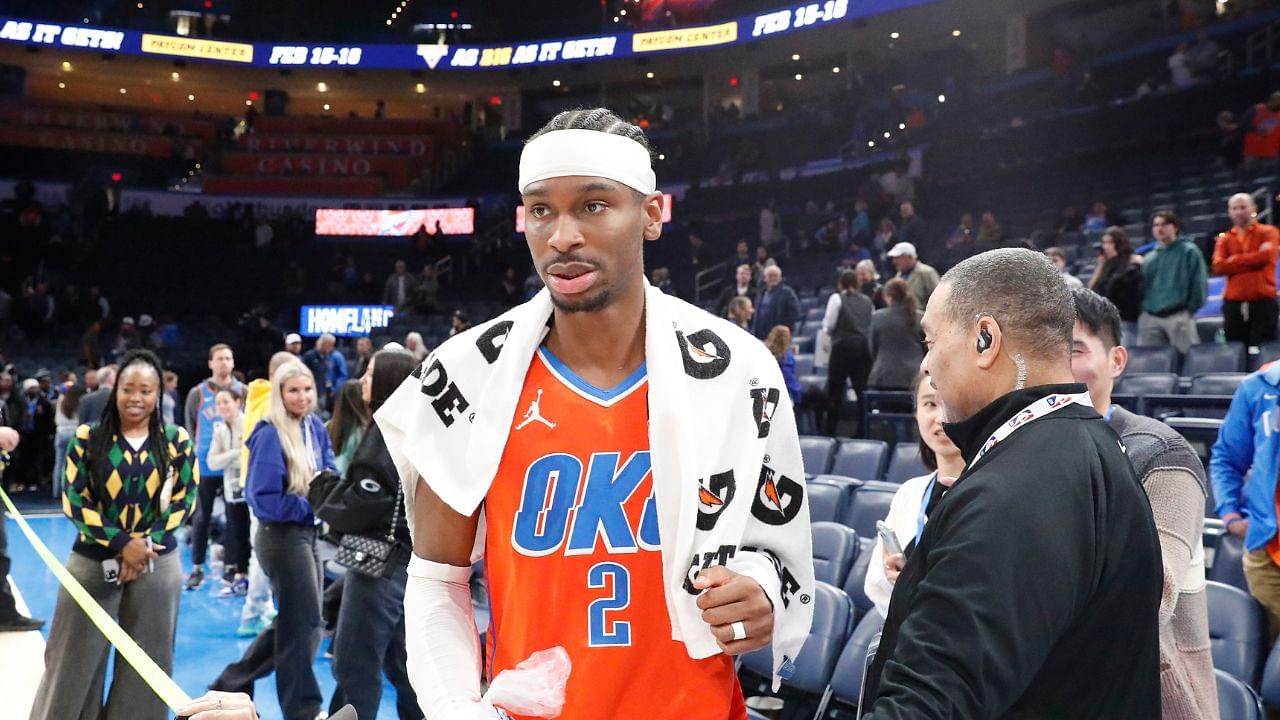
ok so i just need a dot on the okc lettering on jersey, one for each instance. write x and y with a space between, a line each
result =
556 504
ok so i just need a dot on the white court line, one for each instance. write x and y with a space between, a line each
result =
21 663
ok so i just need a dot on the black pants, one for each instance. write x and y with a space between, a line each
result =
1252 323
288 646
850 363
210 489
237 543
370 641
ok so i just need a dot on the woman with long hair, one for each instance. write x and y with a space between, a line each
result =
897 342
779 343
369 640
350 419
66 419
907 511
287 449
740 312
224 455
130 482
1118 278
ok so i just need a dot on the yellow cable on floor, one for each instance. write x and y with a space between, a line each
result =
157 679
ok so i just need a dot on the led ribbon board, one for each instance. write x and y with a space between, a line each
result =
747 28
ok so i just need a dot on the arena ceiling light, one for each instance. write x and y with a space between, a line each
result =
649 75
123 91
191 98
795 57
799 76
62 86
326 106
955 33
895 35
555 83
322 87
175 76
66 66
420 88
942 98
835 68
902 126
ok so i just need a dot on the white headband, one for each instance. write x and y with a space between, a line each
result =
562 153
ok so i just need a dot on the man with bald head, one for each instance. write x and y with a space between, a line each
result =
1246 254
1034 589
778 304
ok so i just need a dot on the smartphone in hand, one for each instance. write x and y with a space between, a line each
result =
889 538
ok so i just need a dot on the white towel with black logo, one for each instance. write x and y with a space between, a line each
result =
727 471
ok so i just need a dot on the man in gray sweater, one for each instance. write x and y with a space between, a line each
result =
1171 473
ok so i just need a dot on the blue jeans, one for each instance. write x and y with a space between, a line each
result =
370 640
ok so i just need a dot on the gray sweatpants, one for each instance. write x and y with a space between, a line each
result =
76 656
1178 330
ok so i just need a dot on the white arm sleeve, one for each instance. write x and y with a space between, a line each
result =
832 315
442 642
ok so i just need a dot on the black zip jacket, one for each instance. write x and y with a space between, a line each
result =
1035 587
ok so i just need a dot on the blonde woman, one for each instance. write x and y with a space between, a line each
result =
287 449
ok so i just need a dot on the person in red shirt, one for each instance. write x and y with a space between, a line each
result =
1246 254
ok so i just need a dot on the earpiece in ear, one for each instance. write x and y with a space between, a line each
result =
984 340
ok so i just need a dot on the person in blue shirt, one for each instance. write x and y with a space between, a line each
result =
328 367
287 449
1248 446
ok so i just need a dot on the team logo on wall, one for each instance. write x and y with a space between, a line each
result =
705 355
764 402
778 498
433 54
714 495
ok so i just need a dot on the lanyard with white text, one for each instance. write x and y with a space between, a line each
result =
1036 410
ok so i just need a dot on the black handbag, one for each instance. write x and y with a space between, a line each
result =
368 555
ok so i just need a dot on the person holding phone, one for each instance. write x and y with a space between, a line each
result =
130 482
906 518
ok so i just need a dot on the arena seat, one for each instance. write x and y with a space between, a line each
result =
1236 700
804 344
858 576
826 501
1217 383
846 679
1237 632
1207 358
869 504
835 547
860 458
832 621
1228 562
1152 360
905 463
1267 352
1207 328
1162 383
816 452
804 363
1270 688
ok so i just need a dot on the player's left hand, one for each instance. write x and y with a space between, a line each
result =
728 598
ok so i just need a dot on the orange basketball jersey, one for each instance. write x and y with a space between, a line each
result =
572 556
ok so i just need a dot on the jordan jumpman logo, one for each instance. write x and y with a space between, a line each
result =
534 414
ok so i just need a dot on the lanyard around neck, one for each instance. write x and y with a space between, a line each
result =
1044 406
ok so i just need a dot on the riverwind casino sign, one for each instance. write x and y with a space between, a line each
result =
745 29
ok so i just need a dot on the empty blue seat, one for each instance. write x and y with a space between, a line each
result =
1207 328
826 501
1236 700
1228 562
835 547
1217 383
1152 360
1270 689
869 504
815 313
858 576
905 463
1214 358
804 344
804 364
817 452
1237 632
846 680
862 459
1267 352
832 622
1164 383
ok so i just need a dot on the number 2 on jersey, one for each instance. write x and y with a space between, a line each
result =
601 630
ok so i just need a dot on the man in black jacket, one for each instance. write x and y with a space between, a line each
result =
1034 590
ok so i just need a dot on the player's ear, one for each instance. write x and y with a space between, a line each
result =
653 205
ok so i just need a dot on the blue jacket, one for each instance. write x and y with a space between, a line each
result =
1249 443
794 388
329 372
267 478
779 306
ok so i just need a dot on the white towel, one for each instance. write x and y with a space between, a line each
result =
720 420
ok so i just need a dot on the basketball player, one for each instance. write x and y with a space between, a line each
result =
583 507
